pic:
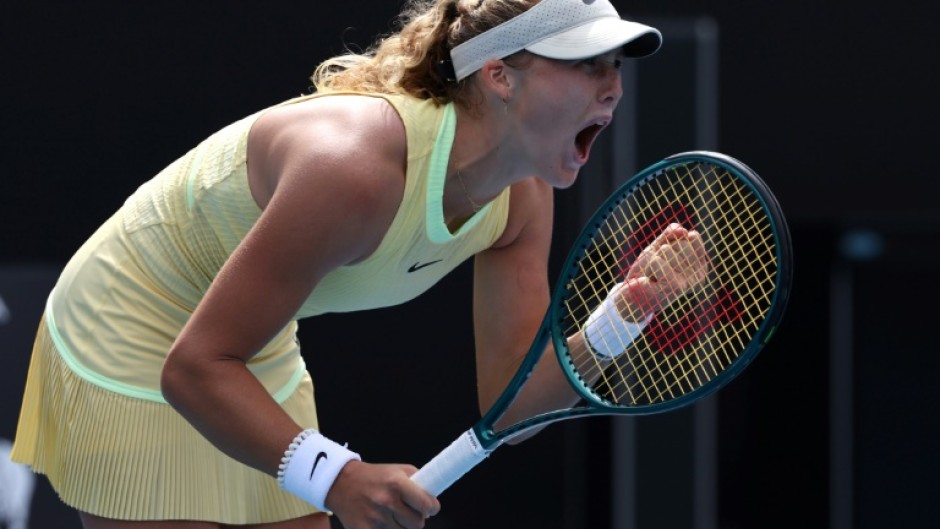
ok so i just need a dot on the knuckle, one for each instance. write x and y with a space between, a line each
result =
384 501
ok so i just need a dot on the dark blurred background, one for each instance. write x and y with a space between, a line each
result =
835 424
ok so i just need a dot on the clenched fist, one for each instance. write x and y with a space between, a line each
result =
673 264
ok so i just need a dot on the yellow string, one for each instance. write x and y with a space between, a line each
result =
740 245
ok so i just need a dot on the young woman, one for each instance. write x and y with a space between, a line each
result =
166 387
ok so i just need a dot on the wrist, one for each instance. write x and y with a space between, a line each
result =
310 466
607 333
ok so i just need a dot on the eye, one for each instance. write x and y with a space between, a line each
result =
615 62
602 63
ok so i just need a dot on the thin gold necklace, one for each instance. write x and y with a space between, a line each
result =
476 207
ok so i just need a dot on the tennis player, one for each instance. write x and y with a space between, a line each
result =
167 388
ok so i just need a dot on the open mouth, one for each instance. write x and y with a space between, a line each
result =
585 139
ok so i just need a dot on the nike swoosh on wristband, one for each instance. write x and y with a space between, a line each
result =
418 266
316 461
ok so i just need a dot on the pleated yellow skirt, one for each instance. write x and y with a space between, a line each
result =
129 459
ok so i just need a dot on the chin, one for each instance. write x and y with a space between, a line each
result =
565 179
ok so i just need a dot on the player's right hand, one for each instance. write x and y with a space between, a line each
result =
380 496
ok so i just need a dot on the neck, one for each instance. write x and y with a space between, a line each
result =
486 158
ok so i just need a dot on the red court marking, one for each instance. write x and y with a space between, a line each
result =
724 307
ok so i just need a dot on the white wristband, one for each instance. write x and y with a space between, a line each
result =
310 466
606 332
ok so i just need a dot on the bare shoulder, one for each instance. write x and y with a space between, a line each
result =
335 161
347 113
348 139
531 211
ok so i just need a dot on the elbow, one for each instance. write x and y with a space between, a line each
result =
173 380
169 382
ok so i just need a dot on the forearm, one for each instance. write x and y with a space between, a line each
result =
606 334
227 404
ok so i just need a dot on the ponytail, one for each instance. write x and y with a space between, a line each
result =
415 60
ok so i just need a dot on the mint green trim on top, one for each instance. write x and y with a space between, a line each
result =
89 375
191 177
437 174
282 394
130 390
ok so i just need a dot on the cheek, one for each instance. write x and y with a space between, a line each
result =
558 111
553 109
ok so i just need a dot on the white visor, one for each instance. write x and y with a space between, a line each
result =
557 29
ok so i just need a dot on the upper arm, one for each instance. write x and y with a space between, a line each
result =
511 289
327 201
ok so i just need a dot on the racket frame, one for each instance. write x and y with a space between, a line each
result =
474 445
490 439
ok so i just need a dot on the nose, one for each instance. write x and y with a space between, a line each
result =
611 89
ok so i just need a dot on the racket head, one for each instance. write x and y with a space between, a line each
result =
702 340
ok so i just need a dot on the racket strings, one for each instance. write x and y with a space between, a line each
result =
701 333
680 372
666 368
706 361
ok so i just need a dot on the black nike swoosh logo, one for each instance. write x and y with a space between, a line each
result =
418 266
321 455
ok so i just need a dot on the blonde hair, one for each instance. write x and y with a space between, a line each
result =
414 60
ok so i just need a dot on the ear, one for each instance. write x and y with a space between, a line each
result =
497 77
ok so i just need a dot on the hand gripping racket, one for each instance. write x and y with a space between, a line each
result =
693 345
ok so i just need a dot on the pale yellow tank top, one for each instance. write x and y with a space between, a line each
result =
125 295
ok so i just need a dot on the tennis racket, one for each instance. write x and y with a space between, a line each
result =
689 348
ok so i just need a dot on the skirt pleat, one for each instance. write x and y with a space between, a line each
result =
124 458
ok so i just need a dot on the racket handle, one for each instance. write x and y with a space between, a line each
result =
453 462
